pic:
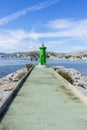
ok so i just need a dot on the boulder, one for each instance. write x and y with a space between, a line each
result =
1 94
7 87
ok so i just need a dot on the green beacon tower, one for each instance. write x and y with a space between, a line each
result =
42 55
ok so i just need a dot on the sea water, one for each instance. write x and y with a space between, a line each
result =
9 65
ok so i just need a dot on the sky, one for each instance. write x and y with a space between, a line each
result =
60 24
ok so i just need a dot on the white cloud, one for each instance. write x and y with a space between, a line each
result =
17 40
37 7
69 28
64 23
8 42
21 39
61 24
33 44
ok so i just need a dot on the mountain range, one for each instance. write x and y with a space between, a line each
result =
78 53
10 54
74 53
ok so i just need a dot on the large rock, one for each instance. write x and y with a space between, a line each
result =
7 87
1 94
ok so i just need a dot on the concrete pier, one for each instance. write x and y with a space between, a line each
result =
44 104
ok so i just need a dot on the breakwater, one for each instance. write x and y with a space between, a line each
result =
79 85
10 85
44 103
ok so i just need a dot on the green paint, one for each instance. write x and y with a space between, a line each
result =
42 55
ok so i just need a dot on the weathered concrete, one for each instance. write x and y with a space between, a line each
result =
43 103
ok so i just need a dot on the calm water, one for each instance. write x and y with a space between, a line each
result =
10 65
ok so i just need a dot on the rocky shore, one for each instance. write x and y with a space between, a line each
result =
9 82
79 80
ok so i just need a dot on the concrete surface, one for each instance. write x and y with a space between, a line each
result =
43 103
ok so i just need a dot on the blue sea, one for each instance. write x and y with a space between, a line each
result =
10 65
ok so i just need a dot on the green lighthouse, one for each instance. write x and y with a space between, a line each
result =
42 55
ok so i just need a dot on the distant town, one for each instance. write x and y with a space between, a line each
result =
35 54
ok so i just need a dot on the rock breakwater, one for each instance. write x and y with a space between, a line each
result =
9 83
79 80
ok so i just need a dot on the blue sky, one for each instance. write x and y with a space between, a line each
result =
26 24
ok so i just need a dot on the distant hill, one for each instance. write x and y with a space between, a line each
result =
48 54
78 53
10 54
3 54
26 54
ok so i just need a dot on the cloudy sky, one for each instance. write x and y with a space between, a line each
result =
60 24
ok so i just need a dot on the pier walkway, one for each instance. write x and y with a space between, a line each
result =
44 104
